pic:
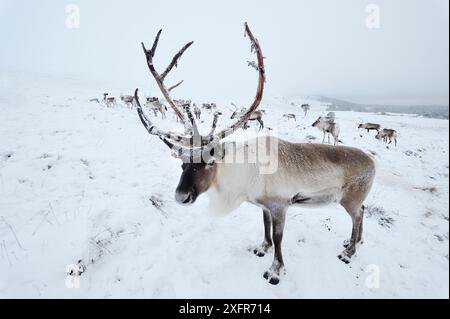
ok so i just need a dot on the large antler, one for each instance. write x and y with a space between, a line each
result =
159 78
153 130
259 92
189 147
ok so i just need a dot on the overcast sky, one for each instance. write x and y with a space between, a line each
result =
312 46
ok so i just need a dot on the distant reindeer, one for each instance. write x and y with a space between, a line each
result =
369 127
128 100
156 106
150 99
255 116
305 108
387 134
197 111
94 100
328 126
109 101
183 102
209 106
290 116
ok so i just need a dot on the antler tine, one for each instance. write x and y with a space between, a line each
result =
195 133
149 54
259 92
175 86
178 151
153 130
175 60
213 126
155 43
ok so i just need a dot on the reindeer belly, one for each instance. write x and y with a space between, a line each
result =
321 188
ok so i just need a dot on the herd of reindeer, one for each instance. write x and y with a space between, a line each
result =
326 124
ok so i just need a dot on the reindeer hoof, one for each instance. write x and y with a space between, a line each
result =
273 274
274 281
347 254
271 277
259 252
344 259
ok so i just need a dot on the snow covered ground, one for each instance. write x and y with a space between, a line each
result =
79 181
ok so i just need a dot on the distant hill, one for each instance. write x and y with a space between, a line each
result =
431 111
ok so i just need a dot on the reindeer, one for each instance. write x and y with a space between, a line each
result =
151 99
306 174
290 116
369 127
197 112
109 101
255 116
305 108
128 100
156 106
94 100
207 106
387 134
328 126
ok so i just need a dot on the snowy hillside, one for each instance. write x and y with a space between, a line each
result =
79 181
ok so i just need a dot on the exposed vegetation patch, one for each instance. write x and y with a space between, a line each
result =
429 189
380 214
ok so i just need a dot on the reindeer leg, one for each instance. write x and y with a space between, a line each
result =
356 237
359 237
262 249
278 214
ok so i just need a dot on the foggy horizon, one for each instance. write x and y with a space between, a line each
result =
311 47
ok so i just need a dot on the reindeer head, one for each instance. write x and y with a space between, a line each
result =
199 153
379 135
317 121
360 125
237 114
196 178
